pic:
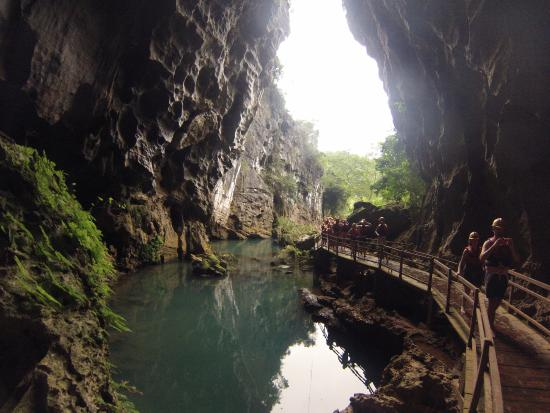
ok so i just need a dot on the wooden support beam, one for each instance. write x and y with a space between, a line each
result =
449 282
473 320
402 256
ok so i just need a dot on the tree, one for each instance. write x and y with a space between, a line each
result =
399 180
334 199
347 179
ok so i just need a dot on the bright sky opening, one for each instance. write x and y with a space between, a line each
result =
329 79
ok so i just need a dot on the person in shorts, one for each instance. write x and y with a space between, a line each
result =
499 256
470 266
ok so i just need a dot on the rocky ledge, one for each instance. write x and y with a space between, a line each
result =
421 376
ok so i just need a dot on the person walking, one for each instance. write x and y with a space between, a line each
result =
381 233
382 230
470 266
499 256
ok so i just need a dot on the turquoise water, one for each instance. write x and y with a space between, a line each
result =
240 344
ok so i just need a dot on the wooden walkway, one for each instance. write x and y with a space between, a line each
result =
513 370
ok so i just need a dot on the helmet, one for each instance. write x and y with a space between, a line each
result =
498 223
473 235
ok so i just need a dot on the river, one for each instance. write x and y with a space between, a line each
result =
239 344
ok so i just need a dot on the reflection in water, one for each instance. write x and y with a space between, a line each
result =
240 344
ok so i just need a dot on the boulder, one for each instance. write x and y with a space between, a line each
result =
397 216
306 242
208 266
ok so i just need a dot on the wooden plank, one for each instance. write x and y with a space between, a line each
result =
515 394
469 375
487 393
524 377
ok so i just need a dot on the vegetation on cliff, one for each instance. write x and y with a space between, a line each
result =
287 232
55 264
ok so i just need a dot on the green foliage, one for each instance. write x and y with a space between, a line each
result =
399 181
30 285
124 405
292 252
209 264
150 252
288 231
67 264
347 179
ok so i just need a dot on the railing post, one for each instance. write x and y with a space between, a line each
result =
380 255
430 275
479 375
510 298
401 265
354 250
337 244
449 281
473 320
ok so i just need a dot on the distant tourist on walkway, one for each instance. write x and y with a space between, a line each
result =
499 255
470 266
382 230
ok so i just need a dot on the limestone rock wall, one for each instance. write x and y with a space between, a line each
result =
144 104
276 176
468 88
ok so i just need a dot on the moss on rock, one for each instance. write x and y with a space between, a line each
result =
55 278
208 265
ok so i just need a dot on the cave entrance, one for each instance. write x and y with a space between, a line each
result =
332 86
328 79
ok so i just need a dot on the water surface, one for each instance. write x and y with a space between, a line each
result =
240 344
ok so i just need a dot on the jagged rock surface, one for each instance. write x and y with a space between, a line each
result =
145 106
468 88
275 145
419 375
143 103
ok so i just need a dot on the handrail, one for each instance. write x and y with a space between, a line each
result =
479 319
442 264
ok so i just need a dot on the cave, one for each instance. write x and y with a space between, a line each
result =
164 122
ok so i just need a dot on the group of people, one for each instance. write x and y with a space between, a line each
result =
484 264
488 264
357 231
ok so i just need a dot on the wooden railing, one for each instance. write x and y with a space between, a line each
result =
457 296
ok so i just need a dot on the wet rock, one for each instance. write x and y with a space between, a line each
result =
413 382
208 266
309 299
414 379
463 88
307 242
